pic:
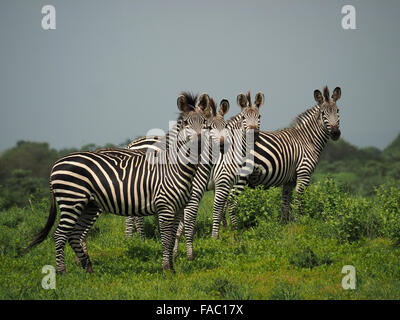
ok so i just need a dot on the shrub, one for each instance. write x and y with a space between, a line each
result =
345 216
255 204
388 203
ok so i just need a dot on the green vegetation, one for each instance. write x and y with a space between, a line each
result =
349 218
25 171
359 169
261 260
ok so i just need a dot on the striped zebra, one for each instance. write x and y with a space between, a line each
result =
159 143
125 182
216 124
289 156
232 163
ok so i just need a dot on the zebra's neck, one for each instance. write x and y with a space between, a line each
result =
239 144
311 129
174 151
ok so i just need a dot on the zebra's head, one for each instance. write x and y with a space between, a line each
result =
250 112
217 123
193 118
329 111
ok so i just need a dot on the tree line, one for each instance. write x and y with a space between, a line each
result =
25 168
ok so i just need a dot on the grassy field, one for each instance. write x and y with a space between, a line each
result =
261 260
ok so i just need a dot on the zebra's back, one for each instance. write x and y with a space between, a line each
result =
115 179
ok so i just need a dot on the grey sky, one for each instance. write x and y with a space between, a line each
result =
112 70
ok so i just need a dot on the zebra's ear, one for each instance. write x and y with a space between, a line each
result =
336 94
182 104
259 99
208 112
204 101
223 107
241 100
318 97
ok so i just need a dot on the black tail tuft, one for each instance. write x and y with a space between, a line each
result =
49 224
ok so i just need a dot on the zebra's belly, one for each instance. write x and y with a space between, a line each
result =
270 177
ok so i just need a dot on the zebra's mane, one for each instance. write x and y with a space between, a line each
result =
120 151
248 98
191 100
304 117
163 140
234 118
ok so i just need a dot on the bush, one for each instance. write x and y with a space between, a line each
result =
388 203
255 204
346 217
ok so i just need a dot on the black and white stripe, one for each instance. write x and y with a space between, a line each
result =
288 157
234 162
126 182
216 125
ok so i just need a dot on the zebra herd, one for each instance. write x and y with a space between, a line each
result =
168 175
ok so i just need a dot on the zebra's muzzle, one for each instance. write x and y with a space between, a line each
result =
335 133
222 145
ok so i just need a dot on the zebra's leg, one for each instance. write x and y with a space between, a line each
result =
200 185
90 220
221 194
139 224
129 227
223 218
287 191
175 242
178 236
302 182
189 221
77 239
166 219
232 201
68 218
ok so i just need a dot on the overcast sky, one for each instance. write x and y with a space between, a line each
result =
112 70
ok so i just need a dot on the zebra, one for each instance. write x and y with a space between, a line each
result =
231 164
125 182
217 124
156 144
289 156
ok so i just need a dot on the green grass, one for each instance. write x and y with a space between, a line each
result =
301 260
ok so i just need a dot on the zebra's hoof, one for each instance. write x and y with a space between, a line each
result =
190 257
168 267
89 269
77 261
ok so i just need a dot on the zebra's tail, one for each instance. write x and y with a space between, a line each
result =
49 224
